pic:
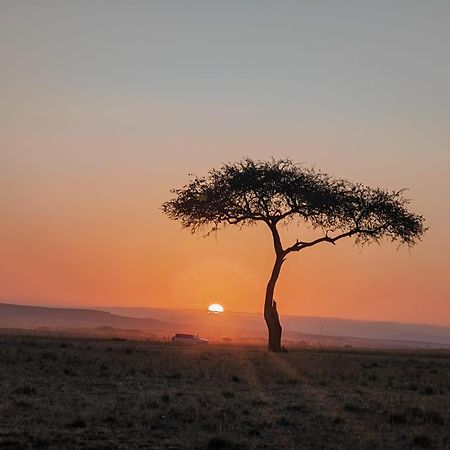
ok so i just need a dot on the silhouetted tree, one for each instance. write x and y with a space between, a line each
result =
278 191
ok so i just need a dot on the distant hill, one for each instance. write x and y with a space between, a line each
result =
319 326
369 330
22 316
92 320
245 327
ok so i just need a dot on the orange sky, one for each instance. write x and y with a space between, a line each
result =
92 140
97 237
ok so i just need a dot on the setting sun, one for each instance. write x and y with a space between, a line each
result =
215 308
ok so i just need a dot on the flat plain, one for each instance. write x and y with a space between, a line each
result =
60 392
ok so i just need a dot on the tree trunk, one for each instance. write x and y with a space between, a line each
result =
270 310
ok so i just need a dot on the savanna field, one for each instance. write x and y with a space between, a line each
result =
108 394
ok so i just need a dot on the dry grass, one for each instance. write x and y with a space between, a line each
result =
85 393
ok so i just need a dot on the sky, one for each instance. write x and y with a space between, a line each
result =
107 105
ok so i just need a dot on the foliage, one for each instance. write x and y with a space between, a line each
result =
278 191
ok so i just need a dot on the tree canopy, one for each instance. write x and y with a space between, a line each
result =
278 191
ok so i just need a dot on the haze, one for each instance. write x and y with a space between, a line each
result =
106 106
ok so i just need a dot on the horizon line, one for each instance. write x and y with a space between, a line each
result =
99 307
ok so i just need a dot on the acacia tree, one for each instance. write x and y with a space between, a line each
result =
275 192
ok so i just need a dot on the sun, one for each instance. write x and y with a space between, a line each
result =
215 308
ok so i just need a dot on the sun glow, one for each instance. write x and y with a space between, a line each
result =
215 308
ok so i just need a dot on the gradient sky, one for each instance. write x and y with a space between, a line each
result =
107 105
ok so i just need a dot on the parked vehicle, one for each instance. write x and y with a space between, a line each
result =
188 339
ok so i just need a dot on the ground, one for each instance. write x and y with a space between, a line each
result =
88 393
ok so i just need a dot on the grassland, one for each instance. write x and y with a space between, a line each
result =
93 393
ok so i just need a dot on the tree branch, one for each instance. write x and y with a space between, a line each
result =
235 220
282 216
332 240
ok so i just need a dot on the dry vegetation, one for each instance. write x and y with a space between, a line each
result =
87 393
